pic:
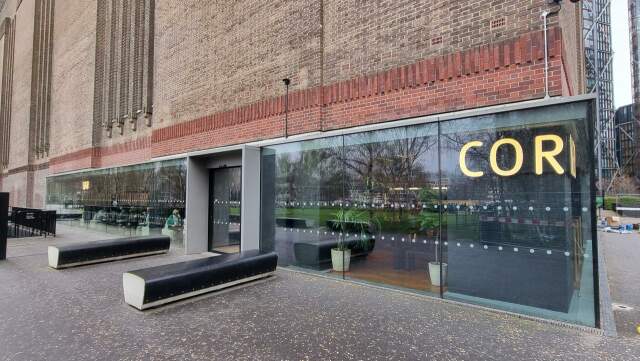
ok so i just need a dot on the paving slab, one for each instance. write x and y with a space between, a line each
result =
79 314
622 253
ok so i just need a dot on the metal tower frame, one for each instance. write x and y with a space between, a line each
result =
634 42
596 16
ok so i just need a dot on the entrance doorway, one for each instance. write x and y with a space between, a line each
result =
225 191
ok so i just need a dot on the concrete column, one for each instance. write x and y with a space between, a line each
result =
250 211
197 207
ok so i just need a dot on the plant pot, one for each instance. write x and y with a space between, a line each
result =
434 273
340 260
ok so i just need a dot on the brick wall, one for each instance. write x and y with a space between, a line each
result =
16 176
39 188
504 72
16 185
21 101
246 48
6 40
216 56
130 152
218 68
367 37
72 78
573 56
9 8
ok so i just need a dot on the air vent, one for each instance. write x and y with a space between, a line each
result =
498 23
436 41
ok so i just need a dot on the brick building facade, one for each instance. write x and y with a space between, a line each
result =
439 142
90 84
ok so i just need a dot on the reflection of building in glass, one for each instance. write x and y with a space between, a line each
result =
627 140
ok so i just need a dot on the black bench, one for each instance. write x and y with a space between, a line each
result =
291 222
151 287
106 250
317 254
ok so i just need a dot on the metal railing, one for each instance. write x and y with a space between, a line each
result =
28 222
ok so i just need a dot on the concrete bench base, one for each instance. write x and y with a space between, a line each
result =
155 286
106 250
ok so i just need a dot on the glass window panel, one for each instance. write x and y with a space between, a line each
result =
142 199
391 187
517 211
498 209
302 191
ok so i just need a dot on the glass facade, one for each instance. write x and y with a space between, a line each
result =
495 210
134 200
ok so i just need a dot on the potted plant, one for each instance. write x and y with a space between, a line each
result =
434 271
348 221
424 222
434 267
428 223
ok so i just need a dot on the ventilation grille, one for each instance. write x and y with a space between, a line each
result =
498 23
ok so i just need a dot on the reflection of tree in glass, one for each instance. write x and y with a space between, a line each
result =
388 162
307 175
494 187
385 167
515 194
399 162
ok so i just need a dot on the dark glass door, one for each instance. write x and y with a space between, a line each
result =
224 209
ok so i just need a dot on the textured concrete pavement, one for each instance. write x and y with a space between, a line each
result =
622 252
79 314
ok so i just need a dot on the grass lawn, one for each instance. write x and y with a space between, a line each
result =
394 221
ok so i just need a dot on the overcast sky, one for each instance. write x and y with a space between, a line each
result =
621 53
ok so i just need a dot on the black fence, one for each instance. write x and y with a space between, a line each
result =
28 222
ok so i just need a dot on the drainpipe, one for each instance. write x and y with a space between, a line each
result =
545 16
286 82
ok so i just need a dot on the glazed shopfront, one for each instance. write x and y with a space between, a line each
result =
493 207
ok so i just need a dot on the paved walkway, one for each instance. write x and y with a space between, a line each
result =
622 254
79 314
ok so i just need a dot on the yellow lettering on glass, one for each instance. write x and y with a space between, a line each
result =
493 155
572 156
463 162
548 155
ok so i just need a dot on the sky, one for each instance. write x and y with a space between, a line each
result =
621 53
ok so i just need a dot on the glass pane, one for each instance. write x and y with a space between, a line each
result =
391 188
517 212
125 201
497 209
302 194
